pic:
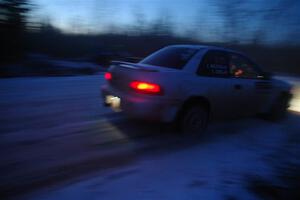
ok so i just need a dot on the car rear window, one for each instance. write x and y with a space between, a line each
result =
171 57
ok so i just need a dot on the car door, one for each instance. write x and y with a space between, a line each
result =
250 88
214 75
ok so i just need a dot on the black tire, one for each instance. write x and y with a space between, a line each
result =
278 110
193 120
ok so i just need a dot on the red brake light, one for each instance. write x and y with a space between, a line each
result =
146 87
108 76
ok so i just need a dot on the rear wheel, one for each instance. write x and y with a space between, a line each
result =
193 119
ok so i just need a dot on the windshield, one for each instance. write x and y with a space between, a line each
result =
171 57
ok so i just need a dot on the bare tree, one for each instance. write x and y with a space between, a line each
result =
139 26
163 25
255 20
12 27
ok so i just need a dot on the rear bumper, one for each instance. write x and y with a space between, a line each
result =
143 106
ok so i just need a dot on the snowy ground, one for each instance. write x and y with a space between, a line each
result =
58 142
218 167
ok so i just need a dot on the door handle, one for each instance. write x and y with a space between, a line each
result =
237 87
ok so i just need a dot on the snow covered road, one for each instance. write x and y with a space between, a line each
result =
55 130
216 168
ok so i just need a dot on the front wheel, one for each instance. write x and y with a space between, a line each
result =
279 108
194 119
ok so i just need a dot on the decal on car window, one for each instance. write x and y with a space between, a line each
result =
217 69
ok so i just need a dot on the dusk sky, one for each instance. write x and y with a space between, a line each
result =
198 17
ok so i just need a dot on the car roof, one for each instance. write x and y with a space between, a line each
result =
207 47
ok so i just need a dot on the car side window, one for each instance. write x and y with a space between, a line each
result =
215 64
241 67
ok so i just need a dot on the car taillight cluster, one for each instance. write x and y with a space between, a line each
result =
140 86
108 76
144 87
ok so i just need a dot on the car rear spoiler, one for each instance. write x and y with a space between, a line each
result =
130 65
